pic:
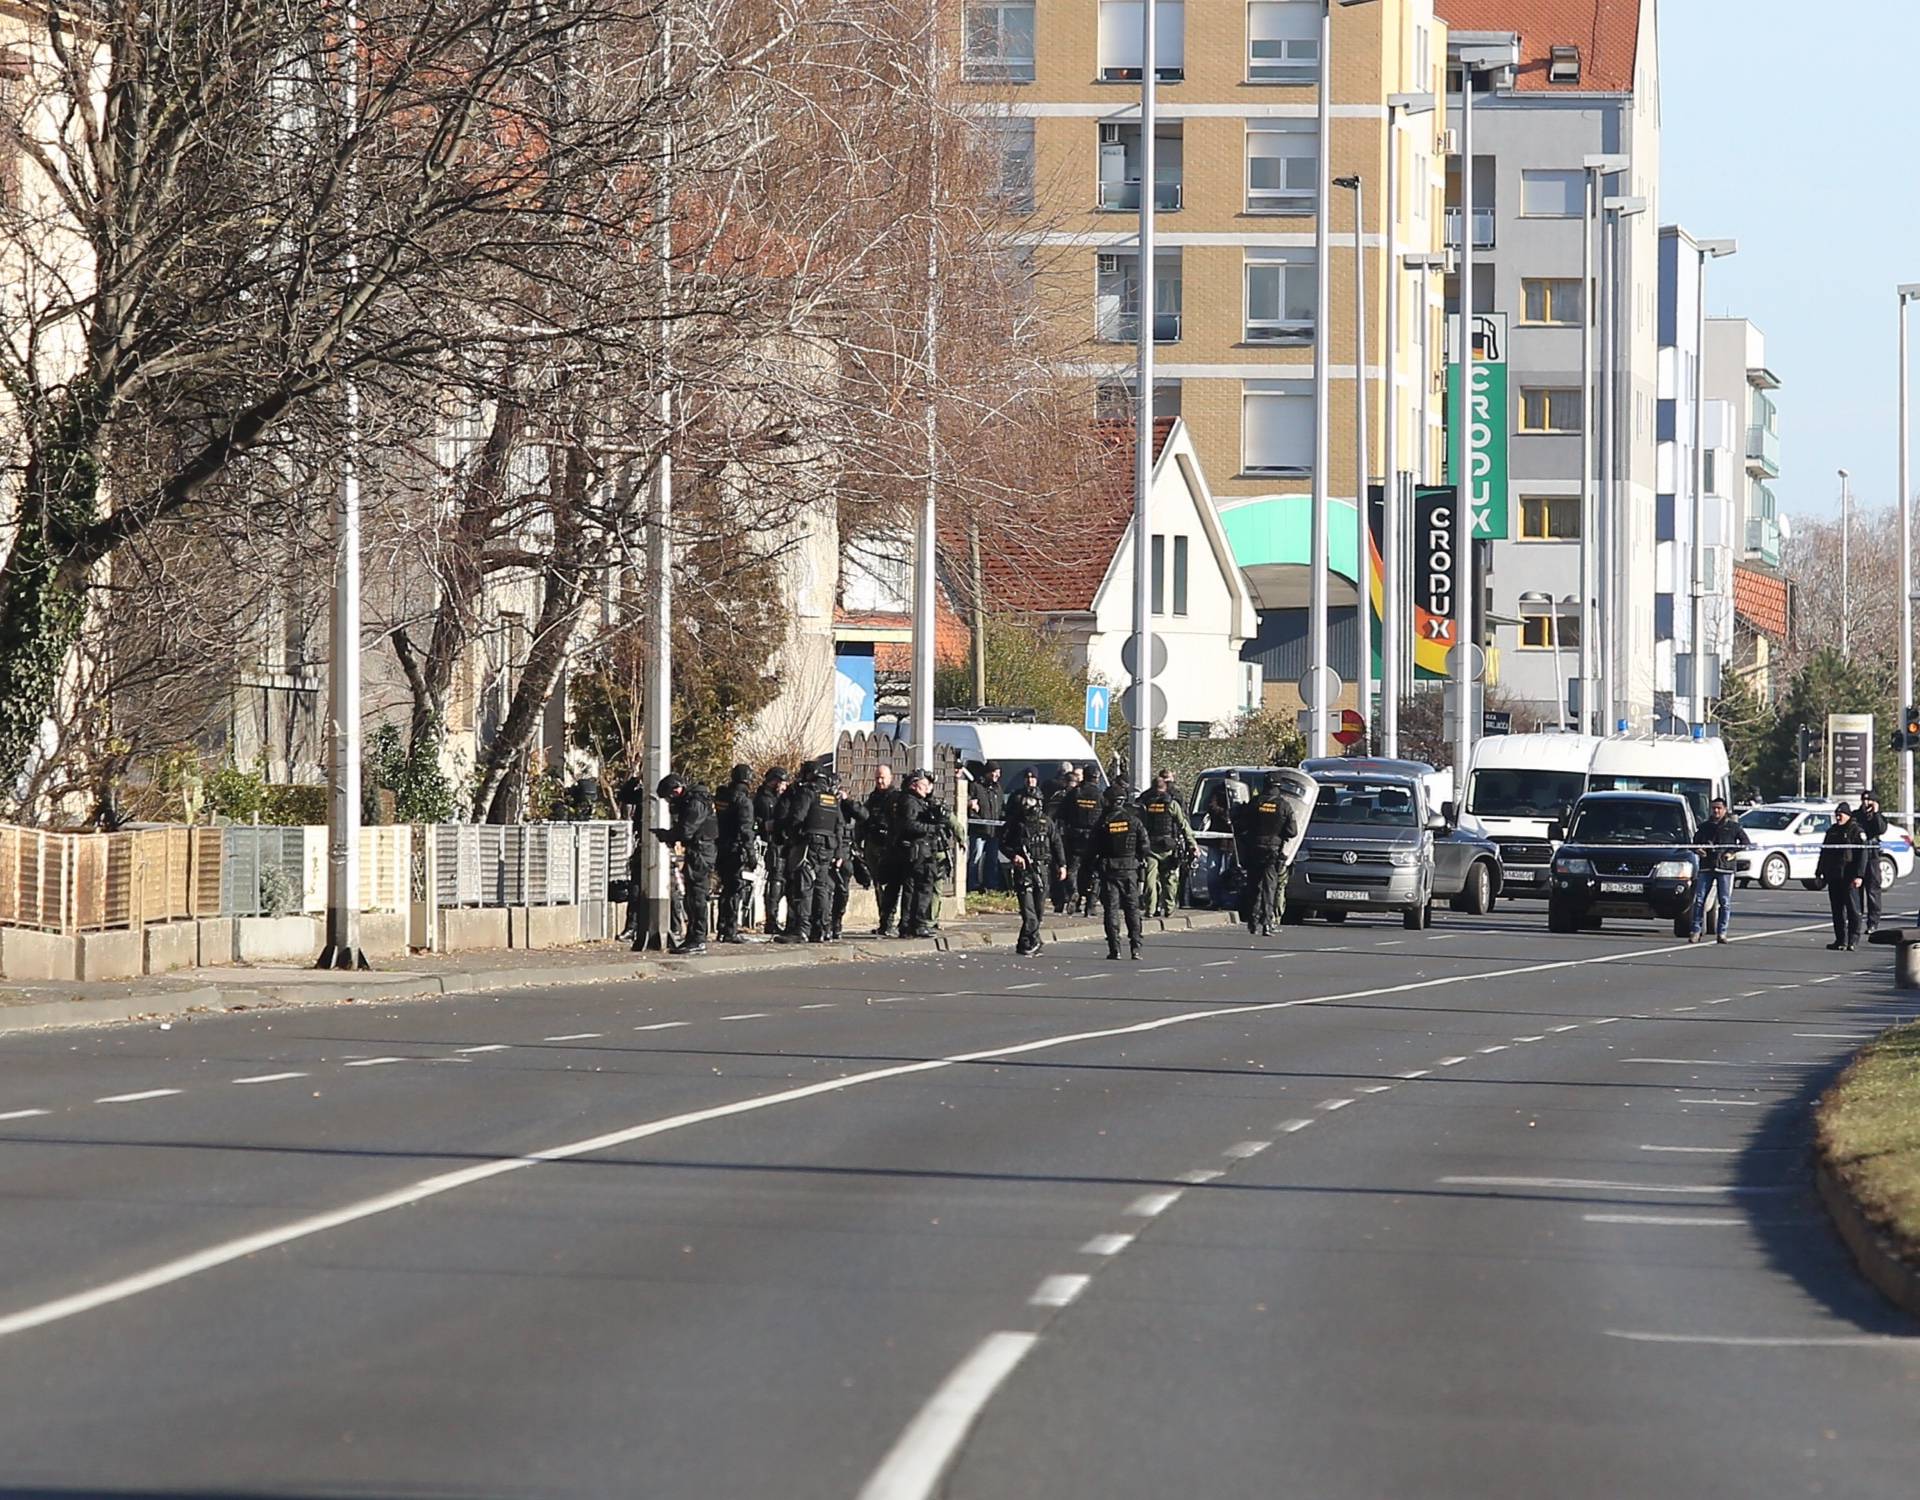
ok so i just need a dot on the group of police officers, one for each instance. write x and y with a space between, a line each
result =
1068 843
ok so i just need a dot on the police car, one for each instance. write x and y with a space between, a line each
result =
1786 845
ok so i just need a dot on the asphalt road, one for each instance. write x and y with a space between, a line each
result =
1350 1212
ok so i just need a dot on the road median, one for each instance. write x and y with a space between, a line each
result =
1867 1162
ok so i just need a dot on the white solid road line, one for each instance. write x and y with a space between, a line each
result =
1737 1103
1058 1291
270 1077
488 1047
574 1036
1836 1036
1146 1206
1106 1244
22 1114
1840 1341
136 1098
1691 1062
1602 1185
1696 1150
1677 1221
226 1251
914 1465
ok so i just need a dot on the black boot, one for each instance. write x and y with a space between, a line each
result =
1112 951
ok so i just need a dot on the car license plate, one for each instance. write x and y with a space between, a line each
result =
1347 895
1622 887
1526 877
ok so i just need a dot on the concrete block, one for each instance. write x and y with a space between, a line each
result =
109 955
552 926
463 927
28 955
516 927
594 917
215 941
277 940
171 945
383 934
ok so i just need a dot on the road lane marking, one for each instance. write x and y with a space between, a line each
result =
1603 1185
1222 963
1749 994
1163 969
1692 1062
1246 1149
747 1015
1727 1001
916 1461
574 1036
1828 980
1836 1036
1033 986
1201 1176
1676 1221
1696 1150
489 1047
1737 1103
136 1098
1682 1009
269 1077
1373 1088
1451 1062
1840 1341
1291 1126
1146 1206
372 1062
1415 1073
1106 1244
1333 1104
1498 1047
662 1026
1389 942
225 1252
1058 1291
822 1005
22 1114
1574 1027
1529 1039
1606 1020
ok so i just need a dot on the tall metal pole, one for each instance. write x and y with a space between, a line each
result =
1698 625
1465 635
1392 613
926 533
1589 542
1905 511
1363 615
1425 467
1140 748
1607 604
1318 667
979 617
1846 566
342 949
655 859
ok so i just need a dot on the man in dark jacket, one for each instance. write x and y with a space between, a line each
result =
986 808
1873 828
1114 854
814 833
1843 865
1267 824
1079 814
1169 843
884 866
737 858
1720 838
766 807
921 834
1035 855
694 829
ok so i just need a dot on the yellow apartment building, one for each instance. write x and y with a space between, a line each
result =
1232 286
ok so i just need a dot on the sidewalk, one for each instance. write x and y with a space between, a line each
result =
422 975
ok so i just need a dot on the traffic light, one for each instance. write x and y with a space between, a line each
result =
1907 736
1804 743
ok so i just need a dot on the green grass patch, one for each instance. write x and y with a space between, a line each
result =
982 901
1869 1135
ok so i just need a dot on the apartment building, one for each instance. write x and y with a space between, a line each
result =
1739 378
1231 293
1586 85
1697 440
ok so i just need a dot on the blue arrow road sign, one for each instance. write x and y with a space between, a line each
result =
1099 702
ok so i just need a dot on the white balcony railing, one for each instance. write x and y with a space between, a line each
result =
1124 328
1483 219
1126 195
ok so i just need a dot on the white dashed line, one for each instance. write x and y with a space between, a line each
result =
1389 942
1671 1220
1106 1244
747 1015
1727 1001
914 1465
1749 994
575 1036
1840 1341
1696 1150
22 1114
661 1025
1373 1088
1200 1176
1683 1009
1606 1020
1828 980
1333 1104
1691 1062
1033 986
1451 1062
1556 1029
1058 1291
1498 1047
1163 969
136 1098
1603 1185
1529 1039
1246 1149
1151 1205
1736 1103
1221 963
1415 1073
1290 1126
372 1062
269 1078
489 1047
1836 1036
823 1005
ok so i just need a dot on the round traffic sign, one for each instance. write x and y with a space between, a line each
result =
1334 684
1156 655
1156 706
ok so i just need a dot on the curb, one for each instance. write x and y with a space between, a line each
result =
1883 1265
202 999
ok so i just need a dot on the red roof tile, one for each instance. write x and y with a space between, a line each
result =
1607 32
1060 571
1762 600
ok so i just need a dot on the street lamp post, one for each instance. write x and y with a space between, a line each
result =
1363 613
1908 293
1615 651
1846 567
1709 250
1535 596
1592 713
1140 714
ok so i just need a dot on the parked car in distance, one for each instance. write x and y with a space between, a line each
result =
1370 848
1786 845
1468 871
1625 854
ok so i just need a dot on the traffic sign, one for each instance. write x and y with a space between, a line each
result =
1352 728
1099 707
1156 655
1156 707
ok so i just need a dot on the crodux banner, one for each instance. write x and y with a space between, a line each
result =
1487 415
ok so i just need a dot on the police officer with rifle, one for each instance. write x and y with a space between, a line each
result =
1113 854
815 836
738 856
1035 854
694 829
1265 826
1170 843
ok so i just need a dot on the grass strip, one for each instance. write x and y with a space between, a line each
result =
1868 1128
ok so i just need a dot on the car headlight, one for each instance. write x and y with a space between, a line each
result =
1673 869
1572 867
1404 858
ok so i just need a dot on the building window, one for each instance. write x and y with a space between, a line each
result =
1712 471
1276 427
1113 400
1283 41
1194 729
1552 299
1663 518
1663 617
1280 296
1550 409
1179 575
1121 32
999 40
1118 188
1158 586
1116 309
1283 166
1553 195
1011 142
1550 518
1543 629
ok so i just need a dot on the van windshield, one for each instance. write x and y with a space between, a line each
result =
1629 822
1697 790
1378 804
1521 793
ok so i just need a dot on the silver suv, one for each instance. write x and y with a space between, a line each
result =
1368 848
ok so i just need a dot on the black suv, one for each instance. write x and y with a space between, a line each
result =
1626 854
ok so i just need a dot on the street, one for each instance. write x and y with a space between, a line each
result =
1349 1212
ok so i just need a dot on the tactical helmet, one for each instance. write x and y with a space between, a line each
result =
671 785
742 774
776 773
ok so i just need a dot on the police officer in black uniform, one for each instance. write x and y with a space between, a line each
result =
1080 816
1035 855
737 856
1266 825
815 842
882 854
1114 853
766 808
1873 828
694 828
1170 844
921 833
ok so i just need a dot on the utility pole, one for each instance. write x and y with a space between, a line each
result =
1140 717
1363 565
1905 511
1702 585
979 619
926 535
1846 566
1318 667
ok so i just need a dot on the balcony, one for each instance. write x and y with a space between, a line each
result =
1763 540
1116 197
1124 328
1763 451
1482 228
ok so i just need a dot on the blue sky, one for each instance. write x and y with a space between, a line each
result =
1790 128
